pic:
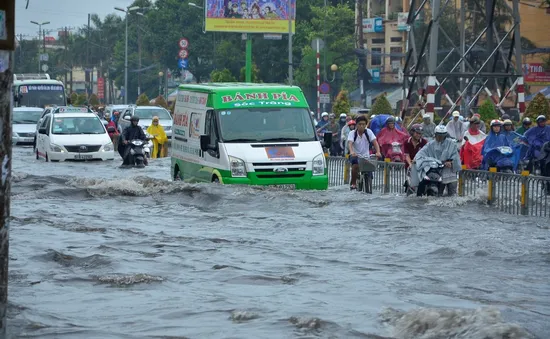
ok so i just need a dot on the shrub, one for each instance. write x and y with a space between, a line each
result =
538 106
487 111
341 104
142 100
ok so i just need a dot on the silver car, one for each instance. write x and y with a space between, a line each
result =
24 124
145 115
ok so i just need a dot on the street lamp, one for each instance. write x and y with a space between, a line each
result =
127 11
192 4
39 36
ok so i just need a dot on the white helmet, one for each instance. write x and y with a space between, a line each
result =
440 129
312 113
107 115
343 115
325 114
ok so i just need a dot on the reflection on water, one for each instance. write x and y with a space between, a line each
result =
99 252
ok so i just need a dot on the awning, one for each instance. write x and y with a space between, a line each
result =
545 91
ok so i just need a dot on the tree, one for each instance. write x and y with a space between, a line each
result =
81 100
222 76
255 74
93 100
341 104
74 98
487 111
381 106
159 101
142 100
538 106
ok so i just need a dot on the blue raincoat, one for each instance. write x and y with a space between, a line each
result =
536 137
493 157
379 121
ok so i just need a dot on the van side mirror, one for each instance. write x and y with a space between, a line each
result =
205 142
42 130
327 139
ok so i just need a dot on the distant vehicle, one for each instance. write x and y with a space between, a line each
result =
59 109
146 114
73 136
38 90
24 124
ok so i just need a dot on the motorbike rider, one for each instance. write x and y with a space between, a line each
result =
132 132
445 150
428 127
159 138
455 127
350 127
508 126
474 139
388 135
322 126
536 137
525 125
343 120
414 144
359 142
334 128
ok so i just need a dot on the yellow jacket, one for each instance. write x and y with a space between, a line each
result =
159 138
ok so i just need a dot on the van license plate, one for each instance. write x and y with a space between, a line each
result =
283 187
83 157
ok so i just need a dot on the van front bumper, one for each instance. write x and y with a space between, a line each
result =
306 182
70 156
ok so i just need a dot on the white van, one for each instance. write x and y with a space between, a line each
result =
73 136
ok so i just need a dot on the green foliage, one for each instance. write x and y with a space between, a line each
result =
546 61
255 74
538 106
81 100
160 101
143 100
381 106
341 104
222 76
93 100
74 98
487 111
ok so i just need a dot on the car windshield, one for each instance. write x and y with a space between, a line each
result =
41 95
149 113
26 117
266 124
77 125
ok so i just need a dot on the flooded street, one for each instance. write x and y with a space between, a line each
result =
99 252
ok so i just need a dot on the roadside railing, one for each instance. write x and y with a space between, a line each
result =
521 194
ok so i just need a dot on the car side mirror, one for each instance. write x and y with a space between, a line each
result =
205 142
42 130
126 117
111 129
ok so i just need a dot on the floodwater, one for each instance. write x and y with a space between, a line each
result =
98 252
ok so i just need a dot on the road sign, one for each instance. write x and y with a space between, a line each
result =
44 57
45 68
183 63
324 98
324 88
314 44
183 53
183 43
269 36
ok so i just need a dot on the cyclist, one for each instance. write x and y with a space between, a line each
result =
359 141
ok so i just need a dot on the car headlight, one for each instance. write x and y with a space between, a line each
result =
109 147
14 135
167 128
56 148
318 165
237 166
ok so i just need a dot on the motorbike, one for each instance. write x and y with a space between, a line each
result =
433 178
148 147
501 157
394 152
135 154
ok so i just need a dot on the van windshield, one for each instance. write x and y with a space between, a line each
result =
266 124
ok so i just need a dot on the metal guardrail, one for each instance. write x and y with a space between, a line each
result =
521 194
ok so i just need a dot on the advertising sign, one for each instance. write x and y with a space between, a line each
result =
375 75
535 74
402 21
100 87
373 25
249 16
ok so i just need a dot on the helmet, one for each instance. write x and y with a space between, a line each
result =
390 120
440 129
426 116
343 115
398 119
155 118
496 122
416 128
107 115
325 114
351 122
526 121
134 118
332 115
373 116
312 114
505 116
507 122
541 118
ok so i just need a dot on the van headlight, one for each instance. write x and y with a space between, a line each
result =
56 148
109 147
237 166
318 165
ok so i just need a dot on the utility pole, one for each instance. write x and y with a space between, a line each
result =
87 73
362 57
7 45
139 57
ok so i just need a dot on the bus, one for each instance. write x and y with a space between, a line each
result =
38 90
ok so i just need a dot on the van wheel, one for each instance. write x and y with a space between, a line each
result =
177 174
215 179
37 156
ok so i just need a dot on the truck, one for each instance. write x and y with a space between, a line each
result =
247 134
38 90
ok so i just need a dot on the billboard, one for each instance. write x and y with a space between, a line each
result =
373 25
249 16
402 21
535 74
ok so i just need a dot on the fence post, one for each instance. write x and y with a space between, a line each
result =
386 175
524 192
346 170
491 185
461 181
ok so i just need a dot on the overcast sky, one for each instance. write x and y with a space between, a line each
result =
60 13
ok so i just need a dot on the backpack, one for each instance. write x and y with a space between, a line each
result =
366 134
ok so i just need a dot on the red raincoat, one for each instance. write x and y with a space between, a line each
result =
470 152
385 139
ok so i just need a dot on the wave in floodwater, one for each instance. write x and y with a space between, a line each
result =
110 255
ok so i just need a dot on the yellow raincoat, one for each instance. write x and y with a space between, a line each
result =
159 139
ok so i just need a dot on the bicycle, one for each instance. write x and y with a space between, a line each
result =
366 170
